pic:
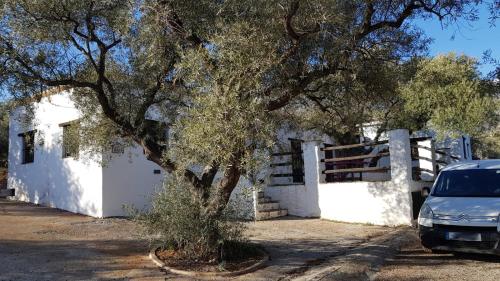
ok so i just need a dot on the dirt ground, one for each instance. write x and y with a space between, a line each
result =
413 264
39 243
295 244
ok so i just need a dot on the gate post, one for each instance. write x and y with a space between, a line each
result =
312 176
401 169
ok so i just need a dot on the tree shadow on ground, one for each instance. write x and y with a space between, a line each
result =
75 260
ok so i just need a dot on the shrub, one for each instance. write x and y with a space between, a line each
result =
176 222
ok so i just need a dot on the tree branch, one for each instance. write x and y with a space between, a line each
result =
296 36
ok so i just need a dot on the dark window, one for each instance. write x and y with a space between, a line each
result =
71 140
468 183
297 161
28 147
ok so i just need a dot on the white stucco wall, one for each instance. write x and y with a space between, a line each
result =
51 180
301 199
381 203
129 179
78 185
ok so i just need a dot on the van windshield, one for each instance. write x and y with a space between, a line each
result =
468 183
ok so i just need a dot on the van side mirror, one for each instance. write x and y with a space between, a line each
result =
425 191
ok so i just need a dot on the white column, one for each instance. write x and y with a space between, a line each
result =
312 177
401 170
400 152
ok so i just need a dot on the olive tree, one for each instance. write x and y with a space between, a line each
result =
221 74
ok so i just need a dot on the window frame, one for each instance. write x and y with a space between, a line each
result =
297 161
25 147
66 151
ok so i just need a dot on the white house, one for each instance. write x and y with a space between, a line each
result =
310 176
42 171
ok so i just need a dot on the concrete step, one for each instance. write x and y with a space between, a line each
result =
261 194
266 215
265 199
7 192
268 206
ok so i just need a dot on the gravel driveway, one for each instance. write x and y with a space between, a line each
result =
413 264
40 243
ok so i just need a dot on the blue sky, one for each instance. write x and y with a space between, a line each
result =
472 38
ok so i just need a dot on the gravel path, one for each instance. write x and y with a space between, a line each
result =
296 245
413 264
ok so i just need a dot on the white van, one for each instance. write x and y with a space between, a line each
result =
462 211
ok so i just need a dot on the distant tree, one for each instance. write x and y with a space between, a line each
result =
448 94
487 145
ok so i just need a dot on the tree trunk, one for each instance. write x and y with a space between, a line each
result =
221 194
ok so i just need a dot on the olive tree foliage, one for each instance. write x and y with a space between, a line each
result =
448 94
345 102
221 74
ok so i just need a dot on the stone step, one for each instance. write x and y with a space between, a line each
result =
266 215
7 192
268 206
260 194
265 199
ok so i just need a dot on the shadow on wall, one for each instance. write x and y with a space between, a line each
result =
54 181
393 201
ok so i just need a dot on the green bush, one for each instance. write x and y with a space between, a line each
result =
176 221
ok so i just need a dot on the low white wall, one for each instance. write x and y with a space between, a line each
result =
380 203
51 180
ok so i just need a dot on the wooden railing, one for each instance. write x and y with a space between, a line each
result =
348 162
440 158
